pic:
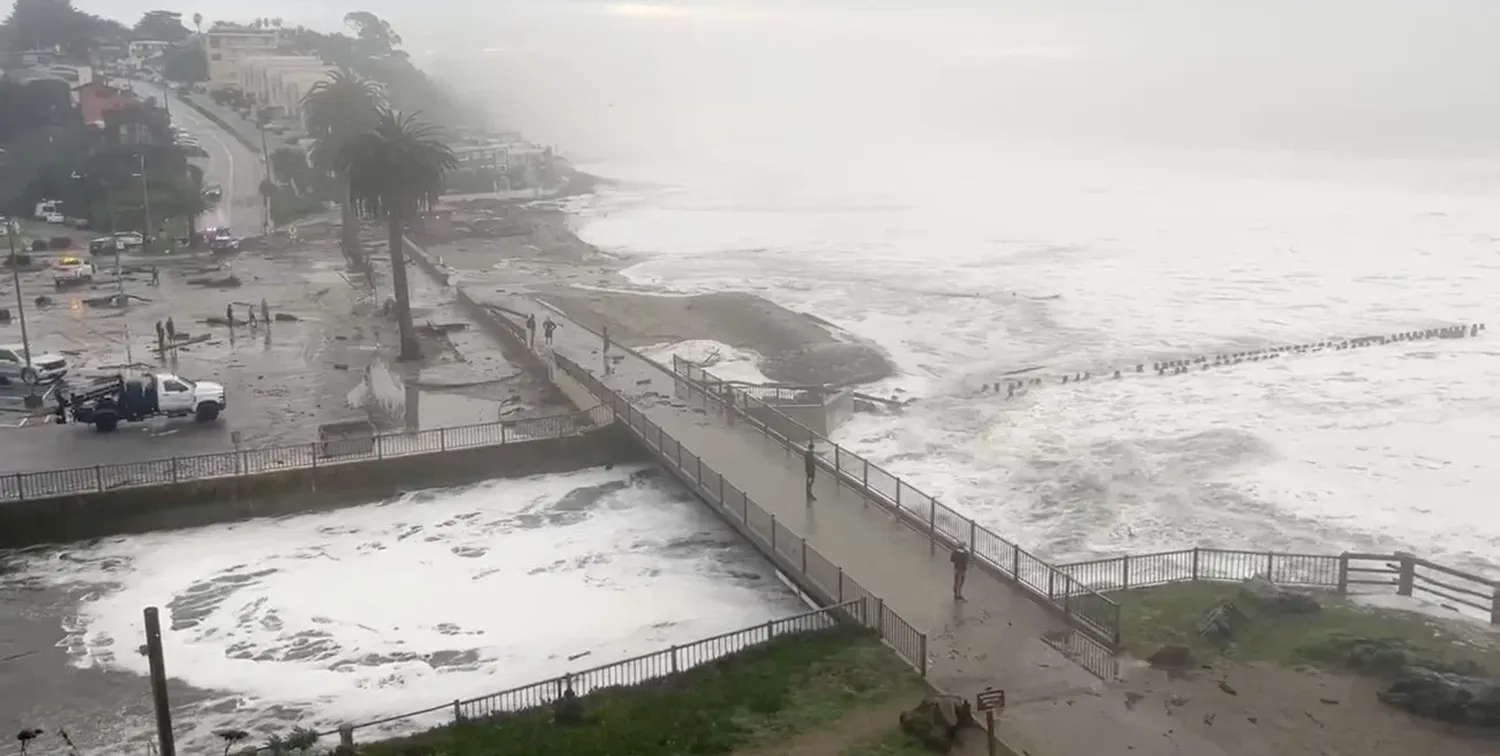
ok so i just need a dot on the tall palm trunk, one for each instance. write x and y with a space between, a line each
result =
410 350
349 235
192 229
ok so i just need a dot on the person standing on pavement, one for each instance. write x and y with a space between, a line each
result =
171 333
810 461
547 328
161 338
155 276
265 312
530 330
960 559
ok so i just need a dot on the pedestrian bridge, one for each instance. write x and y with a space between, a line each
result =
1026 626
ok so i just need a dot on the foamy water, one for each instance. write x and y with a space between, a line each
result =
1072 262
358 613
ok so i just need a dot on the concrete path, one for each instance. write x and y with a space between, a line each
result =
1056 708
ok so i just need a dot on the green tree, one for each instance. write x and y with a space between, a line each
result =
396 170
161 25
185 64
335 111
41 24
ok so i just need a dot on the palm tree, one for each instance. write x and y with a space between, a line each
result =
335 110
396 170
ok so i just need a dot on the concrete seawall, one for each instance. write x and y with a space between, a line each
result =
231 498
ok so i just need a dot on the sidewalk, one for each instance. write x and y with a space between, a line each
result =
1056 708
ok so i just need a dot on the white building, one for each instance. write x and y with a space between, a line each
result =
228 46
282 81
143 50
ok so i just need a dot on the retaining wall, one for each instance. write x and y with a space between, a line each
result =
210 501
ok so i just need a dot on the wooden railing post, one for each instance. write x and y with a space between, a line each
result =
1407 573
346 735
1196 551
458 710
1124 573
1344 572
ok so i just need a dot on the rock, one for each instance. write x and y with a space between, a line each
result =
935 721
1272 599
1459 699
1386 657
1222 622
1172 656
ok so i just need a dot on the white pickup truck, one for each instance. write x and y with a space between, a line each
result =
106 402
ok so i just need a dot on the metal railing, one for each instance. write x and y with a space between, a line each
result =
156 472
792 554
632 671
1091 611
1401 573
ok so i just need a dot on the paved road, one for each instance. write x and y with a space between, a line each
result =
992 639
232 165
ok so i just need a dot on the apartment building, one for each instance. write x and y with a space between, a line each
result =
280 81
228 47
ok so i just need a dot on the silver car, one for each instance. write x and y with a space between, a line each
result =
44 368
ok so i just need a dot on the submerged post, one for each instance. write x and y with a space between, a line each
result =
166 745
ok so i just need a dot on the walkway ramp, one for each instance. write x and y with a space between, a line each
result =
993 639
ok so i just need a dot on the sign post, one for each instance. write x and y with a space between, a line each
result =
988 702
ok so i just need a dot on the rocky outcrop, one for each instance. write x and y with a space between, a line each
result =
1172 656
936 721
1383 657
1459 699
1271 599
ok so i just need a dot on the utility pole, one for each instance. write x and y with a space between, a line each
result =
145 210
265 157
11 230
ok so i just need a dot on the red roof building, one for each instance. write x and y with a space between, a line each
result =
96 98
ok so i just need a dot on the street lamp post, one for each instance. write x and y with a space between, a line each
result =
15 271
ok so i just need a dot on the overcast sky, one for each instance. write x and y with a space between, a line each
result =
1373 76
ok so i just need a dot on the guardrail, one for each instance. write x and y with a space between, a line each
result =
791 553
156 472
632 671
1406 574
1089 610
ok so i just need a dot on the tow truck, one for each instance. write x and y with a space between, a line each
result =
109 400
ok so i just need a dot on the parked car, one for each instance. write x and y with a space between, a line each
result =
130 238
55 218
106 245
45 366
213 192
71 271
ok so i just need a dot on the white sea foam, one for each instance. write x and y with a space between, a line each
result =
726 362
356 613
1116 259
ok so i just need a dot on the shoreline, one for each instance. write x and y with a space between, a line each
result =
537 251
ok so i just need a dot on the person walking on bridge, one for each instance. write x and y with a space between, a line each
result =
960 560
530 330
810 461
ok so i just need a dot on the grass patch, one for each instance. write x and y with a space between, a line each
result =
893 743
757 697
1173 614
